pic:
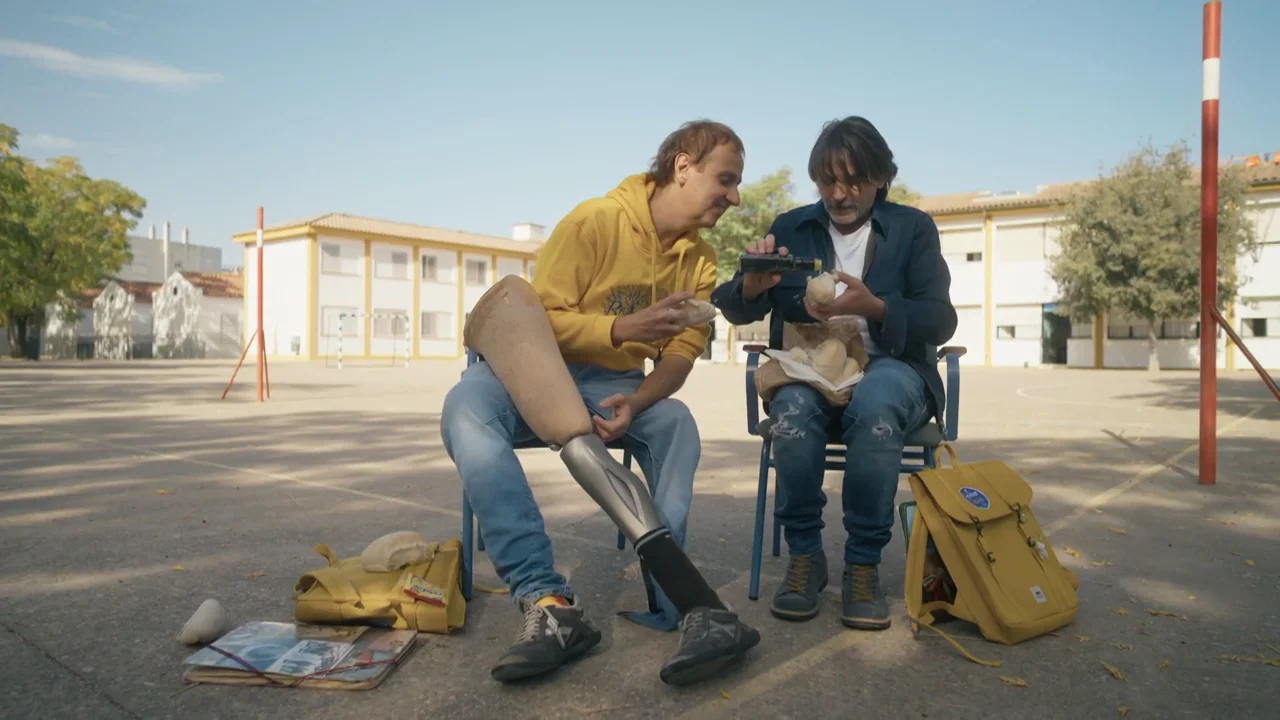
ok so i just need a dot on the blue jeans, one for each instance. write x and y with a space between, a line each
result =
481 426
890 402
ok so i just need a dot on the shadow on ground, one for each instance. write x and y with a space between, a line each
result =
118 529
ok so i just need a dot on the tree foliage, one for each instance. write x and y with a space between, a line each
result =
749 221
61 233
1130 242
902 194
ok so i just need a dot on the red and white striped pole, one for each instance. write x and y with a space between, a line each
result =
262 345
1209 242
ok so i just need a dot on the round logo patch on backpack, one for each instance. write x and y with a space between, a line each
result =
975 498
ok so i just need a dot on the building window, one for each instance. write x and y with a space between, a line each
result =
391 264
530 274
477 272
430 268
1005 332
333 261
1254 327
332 322
437 325
1081 329
973 257
1180 329
389 323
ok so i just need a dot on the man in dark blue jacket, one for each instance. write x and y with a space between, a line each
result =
895 283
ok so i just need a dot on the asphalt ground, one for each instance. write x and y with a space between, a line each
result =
113 475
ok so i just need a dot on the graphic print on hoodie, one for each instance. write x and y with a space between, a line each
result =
603 261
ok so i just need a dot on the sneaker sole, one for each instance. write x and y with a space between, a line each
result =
691 674
524 671
865 624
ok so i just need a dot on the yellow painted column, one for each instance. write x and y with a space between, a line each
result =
367 321
415 319
461 312
313 297
988 311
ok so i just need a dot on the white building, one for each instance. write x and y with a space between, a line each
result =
997 247
199 315
154 259
379 274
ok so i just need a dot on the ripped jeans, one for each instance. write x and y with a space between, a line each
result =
889 403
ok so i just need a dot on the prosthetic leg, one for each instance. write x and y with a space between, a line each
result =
510 329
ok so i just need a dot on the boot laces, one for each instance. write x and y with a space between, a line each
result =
536 619
862 581
798 573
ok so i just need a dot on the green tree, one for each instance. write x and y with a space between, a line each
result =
902 194
61 233
740 226
1130 242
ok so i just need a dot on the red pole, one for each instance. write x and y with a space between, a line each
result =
1209 243
262 346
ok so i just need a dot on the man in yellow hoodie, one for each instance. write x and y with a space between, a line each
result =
611 276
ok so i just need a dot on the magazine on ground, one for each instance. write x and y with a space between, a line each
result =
337 657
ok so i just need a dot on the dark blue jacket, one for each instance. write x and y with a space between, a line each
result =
904 268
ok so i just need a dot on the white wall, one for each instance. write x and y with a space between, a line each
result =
437 322
222 327
474 286
1080 352
959 242
970 334
1017 339
510 266
391 292
341 290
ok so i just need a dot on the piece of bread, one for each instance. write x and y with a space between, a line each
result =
828 359
821 290
208 623
696 312
394 551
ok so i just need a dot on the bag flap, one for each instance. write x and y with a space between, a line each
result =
982 491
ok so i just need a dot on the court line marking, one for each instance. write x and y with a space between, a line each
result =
1022 393
753 687
320 485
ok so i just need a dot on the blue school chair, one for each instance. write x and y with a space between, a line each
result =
474 537
927 439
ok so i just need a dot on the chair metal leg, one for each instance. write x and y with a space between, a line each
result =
466 547
777 534
757 542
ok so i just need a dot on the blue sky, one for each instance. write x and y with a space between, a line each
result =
480 115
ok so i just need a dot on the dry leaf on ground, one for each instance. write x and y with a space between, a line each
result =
1102 563
1123 710
1082 638
1015 681
1191 597
1250 563
1071 552
179 568
724 694
1233 552
1115 671
1122 611
1118 531
1164 613
1256 660
162 492
1121 646
1164 664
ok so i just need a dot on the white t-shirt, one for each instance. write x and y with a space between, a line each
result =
851 253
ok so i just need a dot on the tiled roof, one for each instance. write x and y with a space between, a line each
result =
963 203
141 292
218 284
409 231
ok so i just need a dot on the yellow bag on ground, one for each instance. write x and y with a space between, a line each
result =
344 593
976 552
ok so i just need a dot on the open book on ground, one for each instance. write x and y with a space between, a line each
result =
335 657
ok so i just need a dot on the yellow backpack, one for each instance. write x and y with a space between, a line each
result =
344 593
976 552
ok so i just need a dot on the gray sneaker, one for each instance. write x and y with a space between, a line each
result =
863 603
710 641
797 595
551 636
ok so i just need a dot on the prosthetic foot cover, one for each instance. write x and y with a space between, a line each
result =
510 328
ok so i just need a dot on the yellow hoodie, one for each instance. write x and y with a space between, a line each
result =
603 260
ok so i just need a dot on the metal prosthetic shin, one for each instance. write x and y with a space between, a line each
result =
511 329
625 499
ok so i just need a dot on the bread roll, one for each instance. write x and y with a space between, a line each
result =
821 290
